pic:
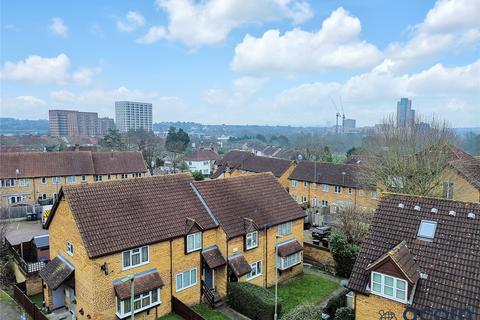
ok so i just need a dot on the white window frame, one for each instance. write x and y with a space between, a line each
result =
196 246
314 202
70 248
8 183
394 288
71 179
120 304
338 189
109 177
325 187
289 261
294 183
84 178
373 194
97 178
350 190
43 180
56 180
324 203
304 199
423 236
24 182
285 228
124 176
253 238
256 270
184 274
135 251
305 184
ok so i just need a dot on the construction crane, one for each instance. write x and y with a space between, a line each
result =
337 115
343 115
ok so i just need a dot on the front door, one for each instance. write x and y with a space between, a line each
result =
209 277
69 299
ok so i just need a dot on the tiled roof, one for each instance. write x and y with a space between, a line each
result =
142 284
118 215
45 164
451 261
289 247
213 257
118 162
249 162
239 265
402 257
69 163
469 169
203 155
257 196
56 272
328 173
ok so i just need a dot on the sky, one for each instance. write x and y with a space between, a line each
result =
275 62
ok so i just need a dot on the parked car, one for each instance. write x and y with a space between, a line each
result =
321 232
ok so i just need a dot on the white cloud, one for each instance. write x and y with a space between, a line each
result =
39 69
62 95
209 22
154 34
335 46
449 25
133 20
58 27
30 100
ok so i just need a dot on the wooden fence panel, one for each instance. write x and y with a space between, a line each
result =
22 299
184 311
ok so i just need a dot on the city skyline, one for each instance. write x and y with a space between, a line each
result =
274 63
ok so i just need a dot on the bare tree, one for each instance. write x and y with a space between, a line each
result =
354 222
408 159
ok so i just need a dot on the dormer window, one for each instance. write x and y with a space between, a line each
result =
426 231
251 240
389 287
194 242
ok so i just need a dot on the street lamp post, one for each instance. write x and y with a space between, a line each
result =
275 315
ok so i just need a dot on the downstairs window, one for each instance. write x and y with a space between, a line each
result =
141 302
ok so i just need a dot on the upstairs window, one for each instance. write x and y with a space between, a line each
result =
135 257
373 194
285 228
426 231
305 184
109 177
448 190
338 189
124 175
24 182
56 180
389 287
84 178
294 183
251 240
314 202
194 242
44 180
97 178
8 183
69 248
350 190
71 179
325 187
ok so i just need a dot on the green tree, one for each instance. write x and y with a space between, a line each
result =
343 252
344 313
198 175
326 155
113 140
176 143
261 137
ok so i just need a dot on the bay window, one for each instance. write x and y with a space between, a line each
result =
289 261
142 301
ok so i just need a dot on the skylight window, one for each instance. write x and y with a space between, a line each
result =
427 230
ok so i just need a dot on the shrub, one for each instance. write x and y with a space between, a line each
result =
344 313
253 301
305 312
336 302
198 175
343 253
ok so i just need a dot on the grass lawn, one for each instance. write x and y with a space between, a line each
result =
37 299
209 314
170 316
307 289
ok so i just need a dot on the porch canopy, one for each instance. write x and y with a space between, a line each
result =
239 265
213 257
56 272
142 284
288 248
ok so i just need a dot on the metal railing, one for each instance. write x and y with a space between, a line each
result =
208 294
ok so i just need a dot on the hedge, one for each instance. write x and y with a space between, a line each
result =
337 301
344 313
253 301
304 312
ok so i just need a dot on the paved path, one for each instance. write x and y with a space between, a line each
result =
9 309
232 314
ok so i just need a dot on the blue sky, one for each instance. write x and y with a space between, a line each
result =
243 61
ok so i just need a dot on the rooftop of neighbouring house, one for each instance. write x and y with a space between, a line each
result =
339 174
448 259
203 155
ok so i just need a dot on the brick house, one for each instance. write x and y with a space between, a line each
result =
32 176
175 236
330 184
421 259
235 163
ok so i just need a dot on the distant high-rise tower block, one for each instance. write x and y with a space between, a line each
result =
405 113
348 125
104 124
133 116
